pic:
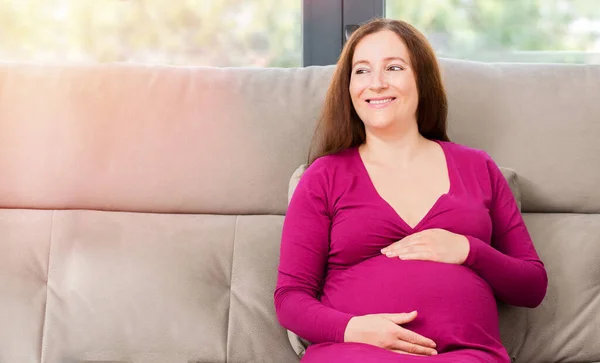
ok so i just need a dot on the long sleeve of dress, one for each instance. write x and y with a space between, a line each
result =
510 264
304 251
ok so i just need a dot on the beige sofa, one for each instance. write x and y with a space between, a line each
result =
141 207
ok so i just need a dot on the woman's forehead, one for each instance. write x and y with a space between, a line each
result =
380 46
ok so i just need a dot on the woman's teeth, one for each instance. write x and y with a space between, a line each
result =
379 102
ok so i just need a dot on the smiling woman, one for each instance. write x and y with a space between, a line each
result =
382 85
397 242
357 68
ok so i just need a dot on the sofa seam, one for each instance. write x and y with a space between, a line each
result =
235 226
525 335
45 319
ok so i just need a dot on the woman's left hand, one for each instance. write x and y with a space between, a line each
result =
431 245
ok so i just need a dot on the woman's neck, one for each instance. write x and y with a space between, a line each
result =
398 151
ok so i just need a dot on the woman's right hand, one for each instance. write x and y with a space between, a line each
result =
384 330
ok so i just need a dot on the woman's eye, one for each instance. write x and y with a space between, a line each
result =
360 71
395 68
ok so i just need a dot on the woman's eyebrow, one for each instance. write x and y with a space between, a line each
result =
386 59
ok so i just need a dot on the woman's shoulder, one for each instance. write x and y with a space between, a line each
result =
331 163
474 161
464 153
328 170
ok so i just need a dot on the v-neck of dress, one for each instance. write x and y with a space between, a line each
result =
365 172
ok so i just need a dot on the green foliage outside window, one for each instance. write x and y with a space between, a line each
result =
507 30
183 32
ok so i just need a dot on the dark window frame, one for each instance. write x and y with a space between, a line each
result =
326 22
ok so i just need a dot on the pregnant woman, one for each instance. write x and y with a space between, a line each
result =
397 242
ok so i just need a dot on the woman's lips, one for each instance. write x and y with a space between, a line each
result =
380 102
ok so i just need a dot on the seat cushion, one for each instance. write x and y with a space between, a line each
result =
92 286
566 326
24 248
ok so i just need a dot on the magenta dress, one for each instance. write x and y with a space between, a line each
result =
331 267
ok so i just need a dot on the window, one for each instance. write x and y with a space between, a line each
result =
289 33
563 31
179 32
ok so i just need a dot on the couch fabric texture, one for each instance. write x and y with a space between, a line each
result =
141 206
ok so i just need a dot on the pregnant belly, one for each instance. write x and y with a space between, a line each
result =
456 308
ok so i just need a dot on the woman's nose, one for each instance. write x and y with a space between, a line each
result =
378 81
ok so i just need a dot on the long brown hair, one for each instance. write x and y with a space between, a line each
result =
339 126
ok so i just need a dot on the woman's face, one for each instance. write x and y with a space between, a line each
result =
382 82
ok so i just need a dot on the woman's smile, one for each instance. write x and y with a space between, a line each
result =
380 102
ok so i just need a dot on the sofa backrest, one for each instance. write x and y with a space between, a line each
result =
142 206
210 140
542 120
154 139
